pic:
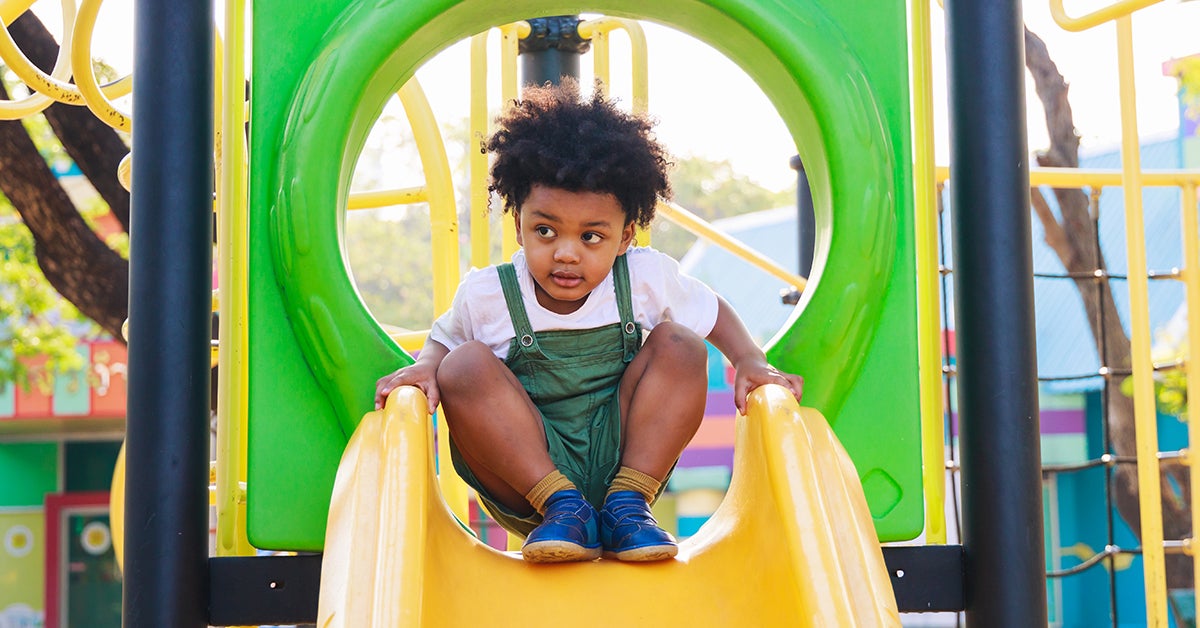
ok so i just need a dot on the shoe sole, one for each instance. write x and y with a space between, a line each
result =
558 552
645 554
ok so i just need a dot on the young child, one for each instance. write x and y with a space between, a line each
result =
558 401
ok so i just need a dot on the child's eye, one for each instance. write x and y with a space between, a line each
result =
592 237
544 231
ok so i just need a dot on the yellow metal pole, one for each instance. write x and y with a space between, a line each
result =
1148 473
929 320
384 198
1097 17
1191 276
232 263
480 227
36 103
601 66
1081 178
698 226
510 35
12 9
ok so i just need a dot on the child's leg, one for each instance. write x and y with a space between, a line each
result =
495 426
663 392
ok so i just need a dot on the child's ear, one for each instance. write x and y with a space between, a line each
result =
517 221
627 234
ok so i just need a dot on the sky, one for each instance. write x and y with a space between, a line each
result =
684 71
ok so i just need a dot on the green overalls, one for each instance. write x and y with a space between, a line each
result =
572 376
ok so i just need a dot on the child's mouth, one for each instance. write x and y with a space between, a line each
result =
566 280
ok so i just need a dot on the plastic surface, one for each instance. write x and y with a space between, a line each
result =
792 544
838 81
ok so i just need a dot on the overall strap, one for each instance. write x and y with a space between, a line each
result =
516 308
631 334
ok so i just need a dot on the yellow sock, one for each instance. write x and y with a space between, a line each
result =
554 482
630 479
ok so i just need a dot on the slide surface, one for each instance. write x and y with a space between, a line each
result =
792 544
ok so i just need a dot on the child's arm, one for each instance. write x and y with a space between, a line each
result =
422 374
730 336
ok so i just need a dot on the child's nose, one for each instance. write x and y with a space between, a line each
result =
566 253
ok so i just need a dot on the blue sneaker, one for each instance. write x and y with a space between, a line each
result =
630 533
568 531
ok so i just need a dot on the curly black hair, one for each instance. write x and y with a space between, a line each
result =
553 137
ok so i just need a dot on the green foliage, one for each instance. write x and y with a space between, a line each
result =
711 190
34 320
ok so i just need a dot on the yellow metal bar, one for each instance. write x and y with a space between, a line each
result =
510 35
1148 471
601 66
232 263
443 215
929 319
95 97
478 163
385 198
703 229
1097 17
1080 178
1191 277
439 188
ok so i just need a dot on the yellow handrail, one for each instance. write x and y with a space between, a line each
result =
929 319
703 229
1097 17
1145 416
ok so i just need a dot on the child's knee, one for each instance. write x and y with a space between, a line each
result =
678 344
464 362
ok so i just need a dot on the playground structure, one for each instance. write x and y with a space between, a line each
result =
281 253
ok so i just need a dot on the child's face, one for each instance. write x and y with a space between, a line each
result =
571 240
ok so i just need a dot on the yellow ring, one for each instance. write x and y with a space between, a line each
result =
36 102
96 98
47 85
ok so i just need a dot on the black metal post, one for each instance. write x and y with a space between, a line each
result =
993 281
170 283
806 221
552 50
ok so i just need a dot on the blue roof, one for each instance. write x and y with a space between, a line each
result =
1065 346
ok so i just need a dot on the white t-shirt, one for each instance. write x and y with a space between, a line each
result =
659 293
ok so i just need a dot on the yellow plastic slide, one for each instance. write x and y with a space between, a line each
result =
792 544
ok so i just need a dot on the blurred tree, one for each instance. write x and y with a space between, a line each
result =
711 189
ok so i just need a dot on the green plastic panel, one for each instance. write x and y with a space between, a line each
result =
320 79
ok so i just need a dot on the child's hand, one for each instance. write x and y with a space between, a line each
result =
754 373
420 374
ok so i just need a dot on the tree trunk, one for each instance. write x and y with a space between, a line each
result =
94 146
1075 242
74 260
